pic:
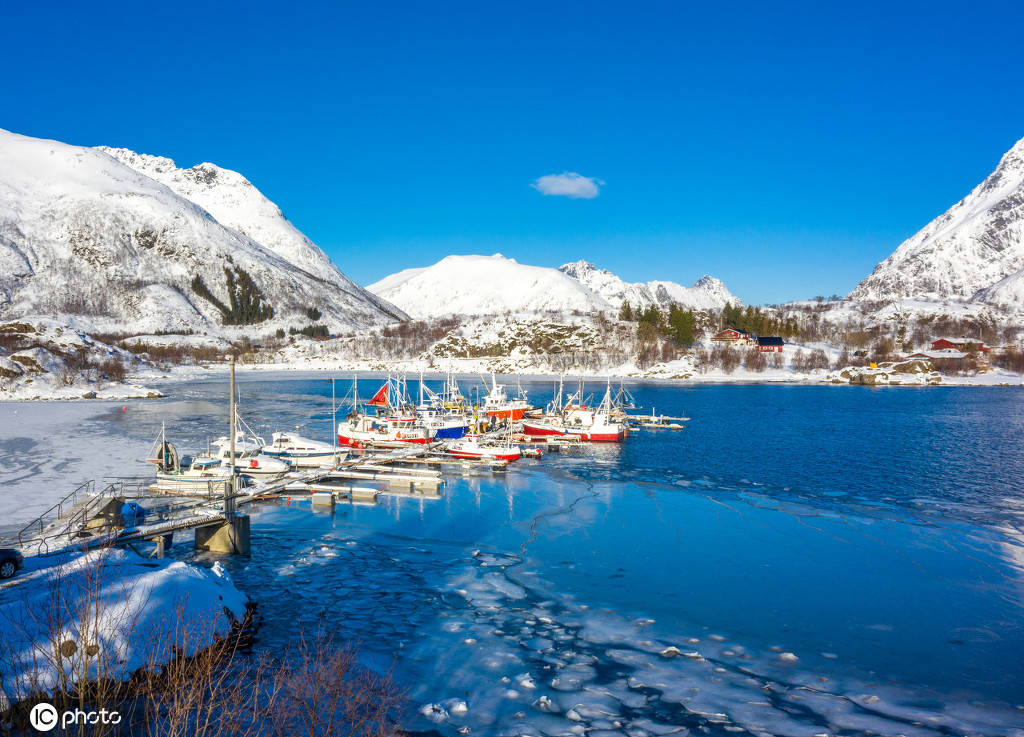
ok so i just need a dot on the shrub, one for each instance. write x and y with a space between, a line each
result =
113 369
755 360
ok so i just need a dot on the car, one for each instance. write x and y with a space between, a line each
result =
11 561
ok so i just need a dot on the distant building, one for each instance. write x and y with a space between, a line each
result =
731 336
770 344
959 344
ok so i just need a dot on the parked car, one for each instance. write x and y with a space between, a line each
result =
11 561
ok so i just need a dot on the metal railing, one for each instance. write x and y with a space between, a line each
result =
57 511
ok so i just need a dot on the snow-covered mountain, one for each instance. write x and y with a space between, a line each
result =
114 241
707 293
485 285
495 285
974 251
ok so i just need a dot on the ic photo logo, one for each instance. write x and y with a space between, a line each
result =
44 717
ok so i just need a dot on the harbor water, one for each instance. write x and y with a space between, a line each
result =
795 561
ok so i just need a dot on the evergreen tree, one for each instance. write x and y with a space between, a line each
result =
626 312
681 325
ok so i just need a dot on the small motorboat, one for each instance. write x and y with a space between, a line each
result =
303 452
187 475
249 460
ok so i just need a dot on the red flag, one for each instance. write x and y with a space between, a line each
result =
380 399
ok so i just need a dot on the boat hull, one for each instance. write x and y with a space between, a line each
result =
480 456
514 413
451 433
380 441
311 460
604 435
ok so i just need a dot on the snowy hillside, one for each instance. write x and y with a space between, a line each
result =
974 250
485 285
86 238
707 293
236 203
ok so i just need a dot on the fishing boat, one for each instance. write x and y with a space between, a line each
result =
575 418
497 403
472 448
362 431
303 452
442 415
394 426
441 424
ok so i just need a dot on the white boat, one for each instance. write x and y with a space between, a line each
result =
472 449
303 452
249 461
187 475
200 475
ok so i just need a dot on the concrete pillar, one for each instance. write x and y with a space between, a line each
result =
231 536
107 516
163 542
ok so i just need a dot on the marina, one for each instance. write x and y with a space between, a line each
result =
400 446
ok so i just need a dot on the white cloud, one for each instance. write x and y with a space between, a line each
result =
569 184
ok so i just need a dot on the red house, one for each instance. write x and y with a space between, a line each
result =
730 335
770 344
959 344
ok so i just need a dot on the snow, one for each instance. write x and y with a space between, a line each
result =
975 250
707 293
89 239
135 610
237 204
485 285
41 369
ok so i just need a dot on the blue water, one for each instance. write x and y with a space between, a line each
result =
829 559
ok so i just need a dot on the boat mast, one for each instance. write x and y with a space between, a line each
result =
229 488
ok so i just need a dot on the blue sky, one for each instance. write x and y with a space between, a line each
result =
785 148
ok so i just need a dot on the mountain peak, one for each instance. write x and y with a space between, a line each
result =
960 254
485 285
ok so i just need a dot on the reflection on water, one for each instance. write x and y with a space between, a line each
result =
798 560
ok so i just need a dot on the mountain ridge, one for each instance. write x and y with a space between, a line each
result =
707 293
86 237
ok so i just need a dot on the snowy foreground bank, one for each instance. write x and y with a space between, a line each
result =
106 614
